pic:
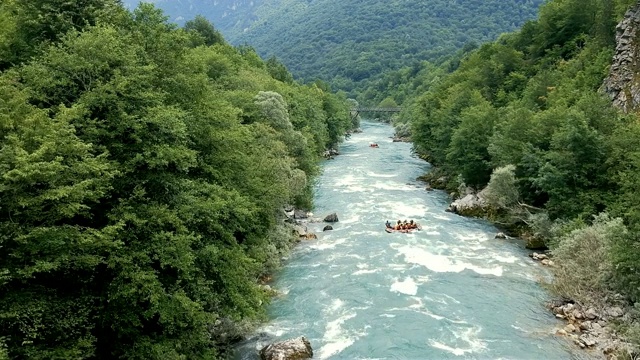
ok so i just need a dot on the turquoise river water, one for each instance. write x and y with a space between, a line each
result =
450 291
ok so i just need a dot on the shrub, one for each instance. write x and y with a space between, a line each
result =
583 262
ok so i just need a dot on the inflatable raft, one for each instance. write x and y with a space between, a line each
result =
401 231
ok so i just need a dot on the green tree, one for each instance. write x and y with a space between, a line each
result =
202 26
278 71
502 190
467 152
40 22
51 186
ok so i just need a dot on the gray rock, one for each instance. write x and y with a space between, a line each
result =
300 230
300 214
327 228
621 85
591 314
585 325
588 340
615 312
292 349
331 218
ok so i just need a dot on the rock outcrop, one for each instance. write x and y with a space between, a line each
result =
470 204
293 349
623 83
591 328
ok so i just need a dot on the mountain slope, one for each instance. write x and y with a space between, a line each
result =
225 14
349 42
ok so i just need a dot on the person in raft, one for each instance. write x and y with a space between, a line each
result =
399 226
388 225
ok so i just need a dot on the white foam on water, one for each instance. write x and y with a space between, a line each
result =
364 272
372 174
469 336
468 237
441 263
442 217
451 298
421 309
398 267
433 233
403 211
284 291
327 245
408 286
387 315
276 330
391 185
336 305
355 218
352 189
439 301
346 180
335 337
418 307
506 259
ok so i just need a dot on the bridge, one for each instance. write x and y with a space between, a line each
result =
377 109
356 111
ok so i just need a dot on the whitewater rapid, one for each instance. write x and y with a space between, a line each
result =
449 291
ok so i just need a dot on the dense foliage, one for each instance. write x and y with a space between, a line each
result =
350 44
524 115
143 171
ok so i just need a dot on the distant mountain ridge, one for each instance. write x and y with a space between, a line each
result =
348 43
224 14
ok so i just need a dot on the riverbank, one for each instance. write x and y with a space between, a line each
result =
596 324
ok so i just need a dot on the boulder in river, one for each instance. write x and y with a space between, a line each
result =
327 228
292 349
331 218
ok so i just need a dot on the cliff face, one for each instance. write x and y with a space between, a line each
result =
623 82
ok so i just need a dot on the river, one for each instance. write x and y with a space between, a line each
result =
449 291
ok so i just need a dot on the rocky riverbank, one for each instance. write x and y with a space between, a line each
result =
594 327
590 327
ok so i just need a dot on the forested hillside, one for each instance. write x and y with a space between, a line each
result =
523 116
349 44
229 16
143 173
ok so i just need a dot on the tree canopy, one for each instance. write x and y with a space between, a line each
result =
144 171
